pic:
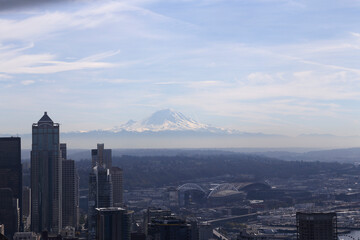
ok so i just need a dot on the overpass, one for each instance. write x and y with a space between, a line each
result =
222 220
218 235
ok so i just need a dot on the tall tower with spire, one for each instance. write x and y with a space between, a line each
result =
46 174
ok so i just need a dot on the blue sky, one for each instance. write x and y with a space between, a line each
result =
274 66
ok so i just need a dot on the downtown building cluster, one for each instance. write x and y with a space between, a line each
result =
105 198
49 208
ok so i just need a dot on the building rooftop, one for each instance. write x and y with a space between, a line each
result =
45 119
110 209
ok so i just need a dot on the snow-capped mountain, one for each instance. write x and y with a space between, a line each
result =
164 120
171 129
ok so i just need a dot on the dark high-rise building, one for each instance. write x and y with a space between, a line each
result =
154 213
26 204
9 210
101 156
205 231
11 184
100 195
138 236
46 174
77 197
169 228
70 202
117 183
316 226
70 190
63 151
26 208
113 224
69 194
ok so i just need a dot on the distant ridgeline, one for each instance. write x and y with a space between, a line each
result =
154 171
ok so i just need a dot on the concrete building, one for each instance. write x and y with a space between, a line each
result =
173 197
101 156
10 185
100 195
117 182
113 224
316 226
46 174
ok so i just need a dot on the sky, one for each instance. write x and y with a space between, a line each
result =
273 66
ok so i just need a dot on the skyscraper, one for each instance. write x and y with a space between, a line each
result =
63 151
113 224
26 208
9 212
46 174
100 195
101 156
69 194
70 203
10 184
117 183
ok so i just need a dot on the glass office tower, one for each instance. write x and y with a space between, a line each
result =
100 195
46 174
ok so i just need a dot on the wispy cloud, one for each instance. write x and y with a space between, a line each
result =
27 82
13 62
34 28
4 76
100 56
95 13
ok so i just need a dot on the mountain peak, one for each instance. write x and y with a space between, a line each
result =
166 116
164 120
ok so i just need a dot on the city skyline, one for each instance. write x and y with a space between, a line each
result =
277 67
252 192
